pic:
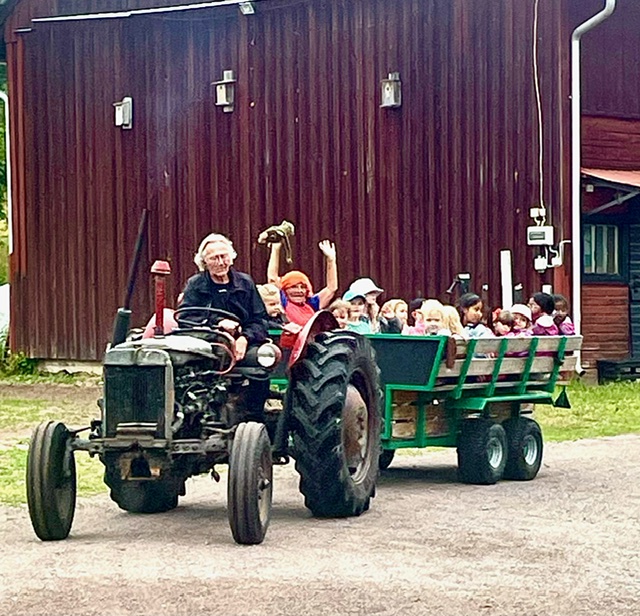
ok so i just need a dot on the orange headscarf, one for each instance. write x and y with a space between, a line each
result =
293 278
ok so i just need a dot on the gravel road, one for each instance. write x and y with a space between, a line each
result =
566 543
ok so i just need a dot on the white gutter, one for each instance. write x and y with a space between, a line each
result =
134 12
7 146
576 145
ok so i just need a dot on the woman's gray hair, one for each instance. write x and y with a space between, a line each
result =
212 237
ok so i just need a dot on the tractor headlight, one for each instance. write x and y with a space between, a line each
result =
268 355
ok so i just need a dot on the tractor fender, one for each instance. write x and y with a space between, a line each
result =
322 321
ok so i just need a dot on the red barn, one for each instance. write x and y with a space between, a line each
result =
411 194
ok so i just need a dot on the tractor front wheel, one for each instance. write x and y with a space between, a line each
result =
51 481
250 486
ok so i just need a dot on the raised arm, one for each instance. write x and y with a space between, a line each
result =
273 267
331 286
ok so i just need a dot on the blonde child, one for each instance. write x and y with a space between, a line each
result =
395 308
270 295
393 316
452 321
432 322
340 310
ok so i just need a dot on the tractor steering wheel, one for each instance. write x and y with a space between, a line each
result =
211 317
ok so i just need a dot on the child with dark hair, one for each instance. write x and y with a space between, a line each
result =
542 307
414 310
561 315
504 323
471 309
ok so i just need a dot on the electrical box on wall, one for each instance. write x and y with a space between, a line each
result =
540 235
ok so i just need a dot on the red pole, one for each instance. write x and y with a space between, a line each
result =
160 270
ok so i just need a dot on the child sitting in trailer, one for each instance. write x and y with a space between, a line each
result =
542 308
521 320
340 310
504 323
561 316
366 289
393 316
452 321
471 308
432 322
358 321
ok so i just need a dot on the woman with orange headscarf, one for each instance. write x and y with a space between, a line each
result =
298 299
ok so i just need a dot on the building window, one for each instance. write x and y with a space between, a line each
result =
601 250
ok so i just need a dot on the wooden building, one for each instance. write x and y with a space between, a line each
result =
412 194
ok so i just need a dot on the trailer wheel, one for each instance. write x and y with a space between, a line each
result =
334 402
482 451
135 496
250 486
524 440
51 481
386 458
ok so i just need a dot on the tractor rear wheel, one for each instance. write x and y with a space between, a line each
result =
482 451
51 481
524 439
250 486
334 402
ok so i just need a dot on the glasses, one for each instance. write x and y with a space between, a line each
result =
218 258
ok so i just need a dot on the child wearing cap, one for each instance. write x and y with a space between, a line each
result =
299 301
521 319
366 289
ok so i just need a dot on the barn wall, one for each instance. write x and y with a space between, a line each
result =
606 315
411 195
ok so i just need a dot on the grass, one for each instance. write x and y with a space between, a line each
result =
605 410
13 464
596 411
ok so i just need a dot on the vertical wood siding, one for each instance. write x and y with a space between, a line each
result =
411 195
605 326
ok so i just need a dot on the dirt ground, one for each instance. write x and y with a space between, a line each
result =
566 543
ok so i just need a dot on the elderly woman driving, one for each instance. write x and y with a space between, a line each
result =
220 286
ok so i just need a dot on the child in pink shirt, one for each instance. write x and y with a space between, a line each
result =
542 308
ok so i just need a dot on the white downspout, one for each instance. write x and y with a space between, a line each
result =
576 144
7 145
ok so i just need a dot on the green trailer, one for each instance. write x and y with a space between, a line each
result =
476 395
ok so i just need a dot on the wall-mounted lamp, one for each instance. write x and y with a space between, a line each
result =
391 91
247 8
225 91
124 113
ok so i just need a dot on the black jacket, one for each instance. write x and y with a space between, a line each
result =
240 297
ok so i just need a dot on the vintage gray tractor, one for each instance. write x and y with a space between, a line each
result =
178 405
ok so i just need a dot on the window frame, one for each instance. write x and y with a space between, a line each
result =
622 256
